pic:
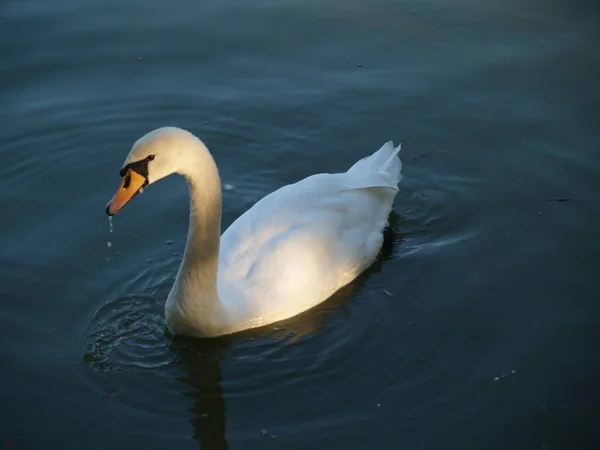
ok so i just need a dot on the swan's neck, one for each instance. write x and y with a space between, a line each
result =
194 306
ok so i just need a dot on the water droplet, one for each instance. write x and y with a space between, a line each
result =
263 432
141 191
169 242
496 378
228 187
108 244
110 224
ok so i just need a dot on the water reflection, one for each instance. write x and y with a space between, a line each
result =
201 360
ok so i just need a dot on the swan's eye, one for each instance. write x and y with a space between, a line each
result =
126 181
150 158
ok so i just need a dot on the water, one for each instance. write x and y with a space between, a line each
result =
477 329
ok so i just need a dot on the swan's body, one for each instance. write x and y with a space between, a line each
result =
287 253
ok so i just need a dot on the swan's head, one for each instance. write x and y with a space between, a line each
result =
156 155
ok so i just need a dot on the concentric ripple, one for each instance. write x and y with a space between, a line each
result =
128 331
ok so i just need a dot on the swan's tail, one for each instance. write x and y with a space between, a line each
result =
385 162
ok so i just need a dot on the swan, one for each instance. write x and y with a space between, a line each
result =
289 252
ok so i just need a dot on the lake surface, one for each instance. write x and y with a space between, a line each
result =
478 329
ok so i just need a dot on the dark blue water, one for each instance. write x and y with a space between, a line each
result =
478 329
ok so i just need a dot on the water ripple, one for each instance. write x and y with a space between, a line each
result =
127 332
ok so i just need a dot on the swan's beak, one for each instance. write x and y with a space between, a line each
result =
131 184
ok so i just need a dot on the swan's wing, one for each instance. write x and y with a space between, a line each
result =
298 245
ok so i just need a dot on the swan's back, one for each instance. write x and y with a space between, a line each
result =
298 245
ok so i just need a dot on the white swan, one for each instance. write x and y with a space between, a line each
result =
287 253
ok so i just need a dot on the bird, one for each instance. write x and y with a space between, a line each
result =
290 251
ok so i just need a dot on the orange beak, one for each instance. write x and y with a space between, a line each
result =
131 184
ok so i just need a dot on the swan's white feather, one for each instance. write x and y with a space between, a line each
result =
298 245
